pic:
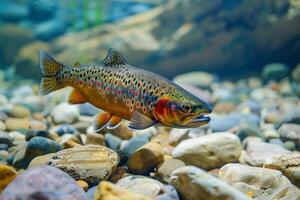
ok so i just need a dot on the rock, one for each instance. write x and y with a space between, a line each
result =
3 147
82 126
90 163
133 144
19 111
38 125
96 139
84 185
224 107
65 113
289 145
42 9
256 152
168 192
64 129
178 135
198 79
13 11
289 165
88 109
33 133
112 141
224 123
13 124
145 158
37 146
107 191
296 73
50 29
165 170
90 193
270 134
210 151
276 141
247 129
259 183
5 139
12 37
275 71
290 132
40 160
7 175
43 183
122 131
2 126
141 185
193 183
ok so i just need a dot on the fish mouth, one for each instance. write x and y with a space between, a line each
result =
201 119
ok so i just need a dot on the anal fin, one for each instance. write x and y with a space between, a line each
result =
140 121
101 120
76 97
114 122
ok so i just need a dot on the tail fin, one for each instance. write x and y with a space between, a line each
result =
49 69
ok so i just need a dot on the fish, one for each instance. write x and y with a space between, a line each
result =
122 91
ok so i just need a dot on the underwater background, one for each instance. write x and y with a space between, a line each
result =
240 56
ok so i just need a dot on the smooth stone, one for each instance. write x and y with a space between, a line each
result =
82 126
276 141
40 160
84 185
3 147
13 124
91 163
3 116
256 152
290 132
224 107
7 175
37 146
133 144
225 122
259 183
43 182
65 113
296 73
196 78
65 129
146 158
88 109
19 111
275 71
5 138
168 192
193 183
108 191
209 151
141 185
96 139
90 193
4 154
2 126
50 29
261 94
112 141
289 145
289 165
34 133
165 170
38 125
67 137
270 134
178 135
246 129
17 136
122 131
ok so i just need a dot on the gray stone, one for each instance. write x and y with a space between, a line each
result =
65 113
290 132
275 71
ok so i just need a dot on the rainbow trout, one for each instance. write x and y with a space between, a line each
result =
125 92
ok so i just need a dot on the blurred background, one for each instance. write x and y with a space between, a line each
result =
229 38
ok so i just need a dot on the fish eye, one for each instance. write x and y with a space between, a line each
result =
187 107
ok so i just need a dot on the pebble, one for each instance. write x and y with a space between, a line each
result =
167 192
122 131
19 111
7 175
65 129
91 163
88 109
40 160
37 125
257 151
112 141
177 135
84 185
289 165
37 146
146 158
210 151
248 129
34 133
165 170
275 71
259 183
2 126
108 191
289 145
96 139
141 185
193 183
14 124
5 138
65 113
43 182
290 132
296 73
133 144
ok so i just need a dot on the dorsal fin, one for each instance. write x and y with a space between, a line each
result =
113 58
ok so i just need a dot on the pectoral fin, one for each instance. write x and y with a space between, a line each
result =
140 121
101 120
114 122
76 97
